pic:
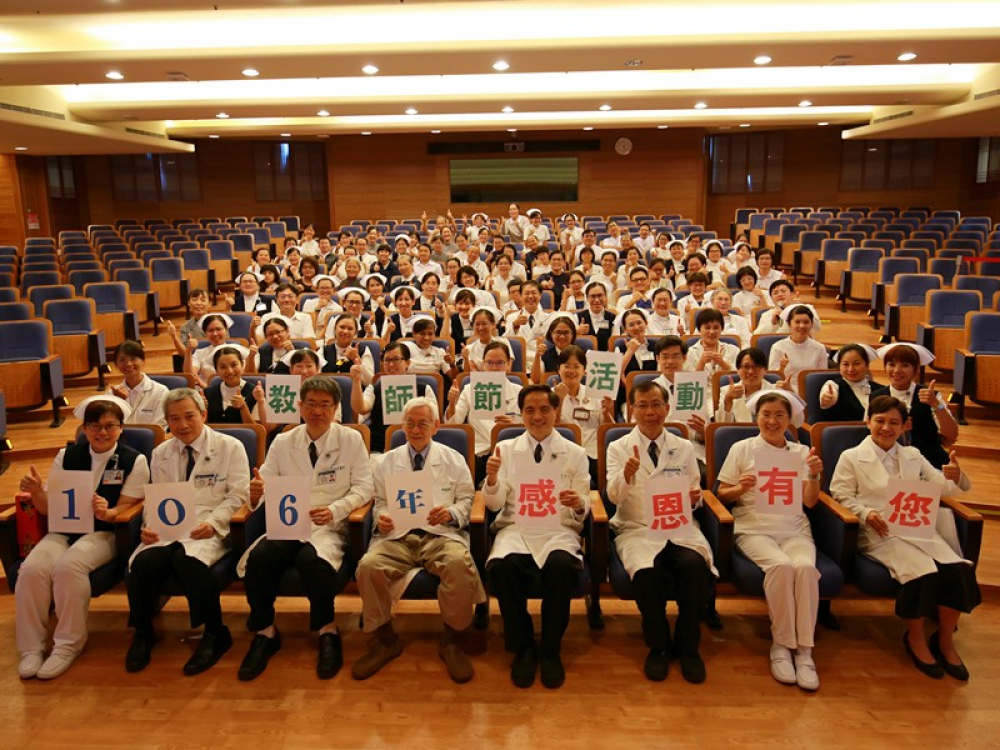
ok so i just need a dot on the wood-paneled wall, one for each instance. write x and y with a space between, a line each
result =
22 189
392 176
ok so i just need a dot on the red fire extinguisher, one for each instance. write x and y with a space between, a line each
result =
33 222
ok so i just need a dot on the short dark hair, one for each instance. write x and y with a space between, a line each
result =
801 310
280 321
646 386
756 355
781 282
300 354
322 384
286 287
222 351
747 271
697 278
856 348
465 295
424 324
130 349
765 251
572 352
399 346
709 315
537 388
667 342
98 408
497 345
882 404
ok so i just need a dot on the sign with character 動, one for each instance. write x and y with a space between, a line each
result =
690 396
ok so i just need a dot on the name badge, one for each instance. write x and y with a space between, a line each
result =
581 415
113 476
644 355
601 324
204 480
326 477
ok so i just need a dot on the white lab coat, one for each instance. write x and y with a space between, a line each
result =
222 470
859 483
341 481
148 406
636 550
510 538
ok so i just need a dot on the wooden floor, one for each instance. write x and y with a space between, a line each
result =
870 695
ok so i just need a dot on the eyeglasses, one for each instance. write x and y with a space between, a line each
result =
423 424
392 359
317 405
103 427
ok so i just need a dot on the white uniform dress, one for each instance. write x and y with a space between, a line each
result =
676 459
740 412
809 355
203 359
575 475
341 481
484 427
859 483
585 412
221 478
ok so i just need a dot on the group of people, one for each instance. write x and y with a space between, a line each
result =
911 432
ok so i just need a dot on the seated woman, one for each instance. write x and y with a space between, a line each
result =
458 325
309 269
733 324
607 274
935 580
350 272
750 298
639 352
559 335
751 364
198 304
261 258
270 277
231 399
300 323
781 545
800 351
710 354
201 362
143 395
341 352
429 301
576 407
633 260
586 261
323 306
484 331
57 570
931 427
277 334
845 398
427 358
501 274
574 299
718 266
292 265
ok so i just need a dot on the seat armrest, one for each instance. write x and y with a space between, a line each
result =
479 532
835 530
238 528
128 529
359 530
597 538
717 525
969 525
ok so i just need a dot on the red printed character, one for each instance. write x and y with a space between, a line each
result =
779 486
537 500
668 511
911 509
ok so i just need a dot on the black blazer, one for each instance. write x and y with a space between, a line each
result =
848 408
603 334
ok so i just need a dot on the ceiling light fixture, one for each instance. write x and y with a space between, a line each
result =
589 127
701 105
222 116
323 113
744 124
822 124
286 135
369 70
511 130
907 56
805 103
761 60
605 108
435 132
366 132
662 127
114 75
20 148
411 111
213 136
507 110
251 72
501 65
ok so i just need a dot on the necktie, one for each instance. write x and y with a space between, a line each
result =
531 321
538 453
190 461
654 453
313 454
418 462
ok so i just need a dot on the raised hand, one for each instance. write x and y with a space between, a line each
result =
828 396
493 467
256 487
928 395
632 465
32 482
951 470
814 462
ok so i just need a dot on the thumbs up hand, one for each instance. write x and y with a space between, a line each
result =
632 465
32 482
493 467
256 488
929 395
951 470
814 462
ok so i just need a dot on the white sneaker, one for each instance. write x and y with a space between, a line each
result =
31 662
782 667
805 670
56 664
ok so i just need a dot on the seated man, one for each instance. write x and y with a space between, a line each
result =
217 466
335 458
681 568
441 546
524 558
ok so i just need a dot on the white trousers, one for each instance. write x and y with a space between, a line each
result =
791 585
56 571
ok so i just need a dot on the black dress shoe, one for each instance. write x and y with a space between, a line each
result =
524 666
692 668
331 656
958 671
209 651
258 655
657 664
931 669
551 669
139 653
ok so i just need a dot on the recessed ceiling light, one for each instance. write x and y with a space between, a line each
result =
605 108
633 63
213 136
114 75
366 132
251 72
662 127
369 70
435 132
822 124
761 60
907 56
744 124
501 65
589 127
222 116
511 130
286 135
411 111
700 105
20 148
323 113
805 103
507 110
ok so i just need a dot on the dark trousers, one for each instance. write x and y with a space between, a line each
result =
682 574
513 577
953 585
267 565
147 581
481 468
